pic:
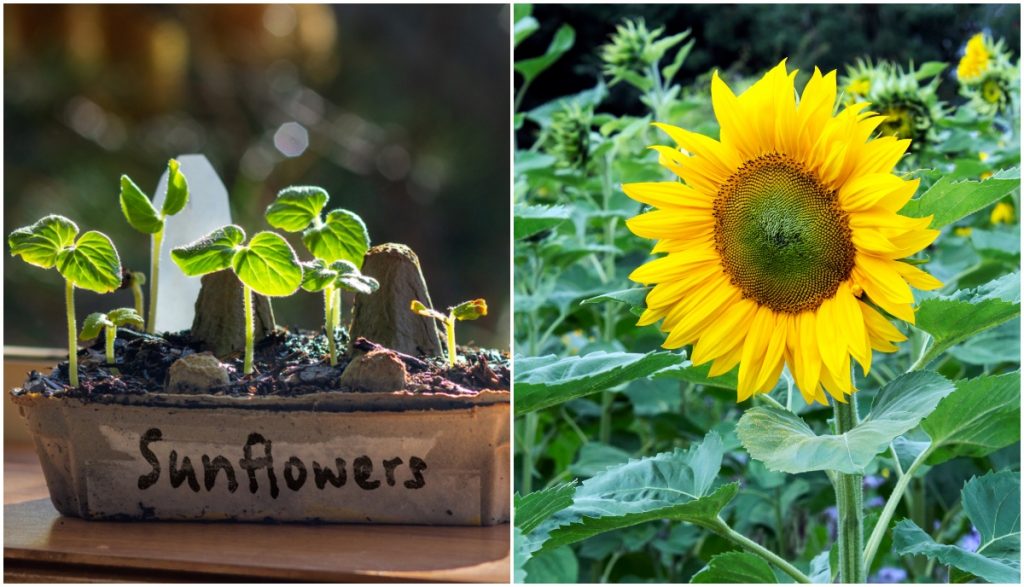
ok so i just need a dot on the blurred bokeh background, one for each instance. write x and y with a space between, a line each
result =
750 38
400 112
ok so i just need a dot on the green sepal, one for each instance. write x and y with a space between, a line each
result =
341 237
212 252
177 189
470 310
137 209
296 207
268 265
91 263
40 243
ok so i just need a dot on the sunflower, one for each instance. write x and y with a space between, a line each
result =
783 240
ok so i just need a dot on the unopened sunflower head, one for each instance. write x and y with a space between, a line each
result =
568 139
630 50
910 108
987 74
783 242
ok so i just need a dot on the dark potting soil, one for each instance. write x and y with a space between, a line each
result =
286 363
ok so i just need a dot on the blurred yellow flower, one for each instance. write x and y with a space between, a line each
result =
963 231
1002 213
975 61
982 156
779 234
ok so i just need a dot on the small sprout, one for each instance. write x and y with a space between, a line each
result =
90 262
135 280
341 236
336 277
145 218
267 265
470 310
110 322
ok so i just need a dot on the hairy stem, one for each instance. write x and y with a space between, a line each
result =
249 328
329 323
449 327
154 277
111 333
890 508
850 504
69 305
723 530
336 308
526 484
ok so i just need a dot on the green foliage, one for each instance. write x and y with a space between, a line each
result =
980 417
97 321
267 264
560 44
538 506
950 200
992 504
91 262
735 567
342 236
547 381
784 442
40 243
139 210
343 275
470 310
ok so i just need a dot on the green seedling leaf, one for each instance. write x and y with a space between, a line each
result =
316 275
949 200
954 318
979 418
560 44
784 442
213 252
138 210
40 243
268 265
546 381
342 237
296 207
534 508
471 310
992 504
177 189
735 567
125 317
529 220
417 307
675 485
524 27
93 325
91 263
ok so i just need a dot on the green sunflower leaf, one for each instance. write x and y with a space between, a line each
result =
979 418
524 27
677 485
634 298
94 324
138 210
784 442
950 200
268 265
40 243
560 44
701 375
296 207
91 263
211 253
533 508
735 567
550 380
531 219
177 189
954 318
992 504
358 283
342 237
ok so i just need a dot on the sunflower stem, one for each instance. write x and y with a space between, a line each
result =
69 308
878 532
850 505
722 529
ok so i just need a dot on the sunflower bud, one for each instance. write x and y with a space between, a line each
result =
569 138
630 51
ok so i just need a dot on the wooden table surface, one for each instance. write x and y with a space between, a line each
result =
42 545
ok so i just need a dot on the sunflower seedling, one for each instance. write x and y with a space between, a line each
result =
267 265
332 279
109 322
144 217
135 280
340 236
90 262
470 310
